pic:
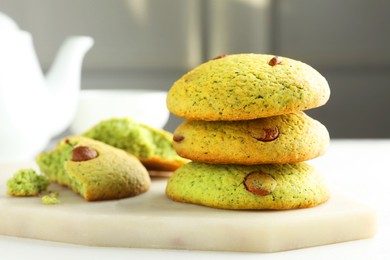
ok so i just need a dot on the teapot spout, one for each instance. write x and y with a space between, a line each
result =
63 80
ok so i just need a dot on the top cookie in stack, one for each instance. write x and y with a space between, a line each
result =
247 86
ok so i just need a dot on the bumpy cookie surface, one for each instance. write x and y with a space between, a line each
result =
152 146
95 170
246 86
286 138
269 186
27 182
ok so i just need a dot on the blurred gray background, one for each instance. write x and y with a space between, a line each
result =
151 43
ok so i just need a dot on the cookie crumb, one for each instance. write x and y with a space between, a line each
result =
51 198
26 183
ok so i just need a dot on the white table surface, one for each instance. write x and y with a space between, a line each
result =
358 168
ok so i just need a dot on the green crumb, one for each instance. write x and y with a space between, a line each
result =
51 198
26 182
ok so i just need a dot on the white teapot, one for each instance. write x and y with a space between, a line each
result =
35 108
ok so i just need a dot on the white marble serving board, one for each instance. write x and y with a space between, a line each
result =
151 220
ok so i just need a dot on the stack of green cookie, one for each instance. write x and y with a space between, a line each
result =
246 134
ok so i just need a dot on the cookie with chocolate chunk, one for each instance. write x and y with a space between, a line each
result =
93 169
286 138
267 186
247 86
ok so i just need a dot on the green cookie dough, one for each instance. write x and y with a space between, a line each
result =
93 169
153 147
267 186
26 182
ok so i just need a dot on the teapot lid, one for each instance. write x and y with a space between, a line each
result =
7 24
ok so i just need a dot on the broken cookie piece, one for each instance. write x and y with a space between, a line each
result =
153 147
95 170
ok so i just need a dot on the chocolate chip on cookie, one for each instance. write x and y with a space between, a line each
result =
260 183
